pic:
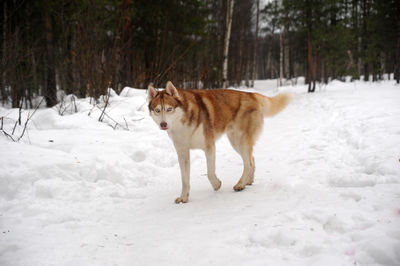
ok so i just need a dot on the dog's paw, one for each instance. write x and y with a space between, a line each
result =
181 200
249 183
238 187
218 185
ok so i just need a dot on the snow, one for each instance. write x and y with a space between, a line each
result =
75 191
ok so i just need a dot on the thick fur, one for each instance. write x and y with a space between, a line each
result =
195 119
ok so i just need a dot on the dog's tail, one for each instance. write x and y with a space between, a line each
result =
273 105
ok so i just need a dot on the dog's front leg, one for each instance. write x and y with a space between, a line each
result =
184 163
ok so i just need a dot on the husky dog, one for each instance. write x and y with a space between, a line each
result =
195 119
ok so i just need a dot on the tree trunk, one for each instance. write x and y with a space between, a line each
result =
229 14
280 58
239 69
3 56
254 76
119 44
310 62
35 84
51 89
13 80
287 55
76 84
246 75
116 80
317 69
269 55
364 37
382 70
397 64
359 60
366 72
350 65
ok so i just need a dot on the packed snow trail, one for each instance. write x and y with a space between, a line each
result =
326 191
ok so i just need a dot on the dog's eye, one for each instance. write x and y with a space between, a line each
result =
169 109
157 110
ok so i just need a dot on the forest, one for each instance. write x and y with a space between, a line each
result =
84 47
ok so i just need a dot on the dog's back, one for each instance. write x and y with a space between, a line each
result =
222 110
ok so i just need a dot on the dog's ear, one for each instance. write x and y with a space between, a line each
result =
171 90
151 92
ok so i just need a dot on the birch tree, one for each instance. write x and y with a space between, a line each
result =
280 58
3 57
254 76
228 20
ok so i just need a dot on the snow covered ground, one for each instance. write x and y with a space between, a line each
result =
74 191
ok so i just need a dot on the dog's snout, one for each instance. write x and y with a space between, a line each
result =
163 125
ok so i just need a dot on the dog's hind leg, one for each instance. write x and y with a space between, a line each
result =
244 146
243 137
248 169
253 169
212 177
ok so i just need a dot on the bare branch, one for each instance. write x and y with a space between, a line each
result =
4 132
126 123
105 105
29 118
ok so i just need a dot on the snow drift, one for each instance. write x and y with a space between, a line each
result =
76 191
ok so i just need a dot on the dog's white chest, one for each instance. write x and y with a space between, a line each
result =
188 137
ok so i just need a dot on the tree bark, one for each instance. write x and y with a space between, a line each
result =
254 76
359 60
3 56
229 14
382 70
51 89
269 59
310 61
280 58
14 82
76 84
287 55
317 69
35 83
397 54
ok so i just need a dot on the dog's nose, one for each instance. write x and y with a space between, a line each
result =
163 125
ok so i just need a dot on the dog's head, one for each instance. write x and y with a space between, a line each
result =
164 106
